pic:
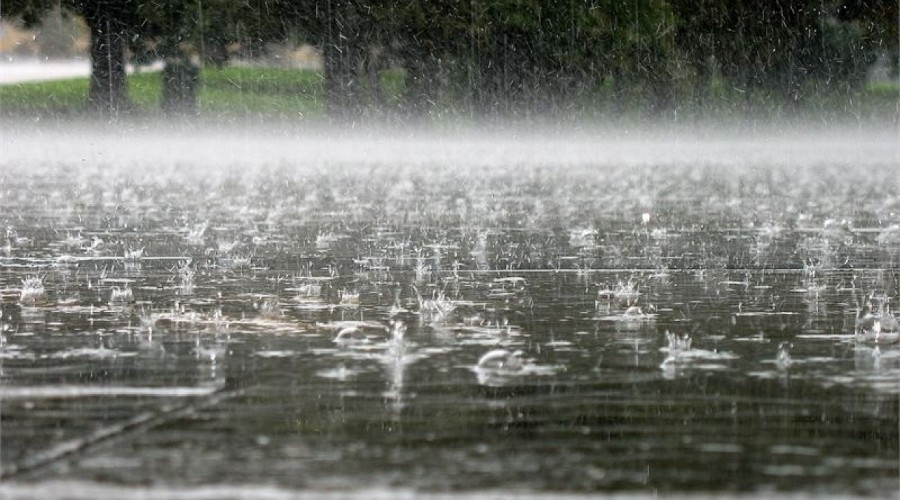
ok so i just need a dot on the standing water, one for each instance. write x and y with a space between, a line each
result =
249 315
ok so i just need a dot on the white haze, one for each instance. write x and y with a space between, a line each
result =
194 150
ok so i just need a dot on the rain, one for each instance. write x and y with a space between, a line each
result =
425 249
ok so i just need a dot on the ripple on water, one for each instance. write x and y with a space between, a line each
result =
249 275
94 353
275 354
340 373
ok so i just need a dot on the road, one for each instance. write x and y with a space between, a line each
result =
35 70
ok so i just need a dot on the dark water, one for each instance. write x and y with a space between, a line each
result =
688 321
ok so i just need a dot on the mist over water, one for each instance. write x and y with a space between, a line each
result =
289 311
247 148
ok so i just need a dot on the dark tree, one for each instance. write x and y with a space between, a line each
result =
342 52
502 57
169 31
110 23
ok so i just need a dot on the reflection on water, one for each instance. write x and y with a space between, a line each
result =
673 327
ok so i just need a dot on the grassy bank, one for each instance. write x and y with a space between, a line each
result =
228 92
244 93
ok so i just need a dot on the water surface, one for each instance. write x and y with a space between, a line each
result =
307 313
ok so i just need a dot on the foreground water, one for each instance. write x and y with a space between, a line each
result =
273 315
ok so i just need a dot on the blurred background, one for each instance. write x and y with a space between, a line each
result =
398 60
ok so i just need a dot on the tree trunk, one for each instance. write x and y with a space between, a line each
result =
374 65
702 86
340 84
660 81
342 58
421 73
108 27
180 82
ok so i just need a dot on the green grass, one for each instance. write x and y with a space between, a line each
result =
265 81
238 93
224 93
144 90
275 92
36 100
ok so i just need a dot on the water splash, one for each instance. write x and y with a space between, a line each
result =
783 358
32 291
118 296
501 361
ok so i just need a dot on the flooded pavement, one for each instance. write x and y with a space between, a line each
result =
386 316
